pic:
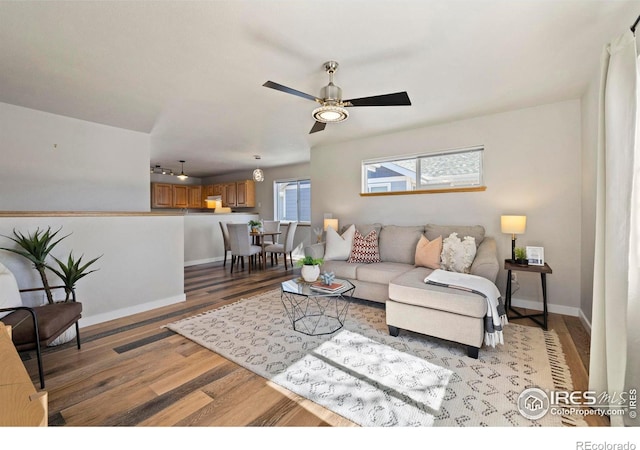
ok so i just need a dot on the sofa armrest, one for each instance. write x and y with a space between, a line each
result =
315 250
486 263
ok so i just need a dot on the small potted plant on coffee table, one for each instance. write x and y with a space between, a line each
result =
310 268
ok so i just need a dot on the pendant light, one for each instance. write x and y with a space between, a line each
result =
258 174
182 175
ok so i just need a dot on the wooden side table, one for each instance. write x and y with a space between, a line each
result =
543 271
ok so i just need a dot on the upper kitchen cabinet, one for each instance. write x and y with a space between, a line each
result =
246 193
195 197
166 195
241 194
161 195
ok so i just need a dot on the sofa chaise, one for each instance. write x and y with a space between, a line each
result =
410 303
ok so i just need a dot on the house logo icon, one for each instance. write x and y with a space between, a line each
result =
533 403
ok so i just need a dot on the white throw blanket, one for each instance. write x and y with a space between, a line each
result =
496 316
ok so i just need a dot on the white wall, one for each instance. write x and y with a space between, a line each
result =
531 166
56 163
141 267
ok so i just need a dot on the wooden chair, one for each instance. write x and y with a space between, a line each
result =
287 246
35 327
240 243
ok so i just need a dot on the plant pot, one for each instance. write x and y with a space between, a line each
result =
310 273
522 262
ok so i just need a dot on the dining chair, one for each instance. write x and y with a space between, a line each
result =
271 226
285 247
240 244
225 239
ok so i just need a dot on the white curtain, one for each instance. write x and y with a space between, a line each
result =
615 337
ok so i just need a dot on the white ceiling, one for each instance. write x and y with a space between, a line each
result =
191 73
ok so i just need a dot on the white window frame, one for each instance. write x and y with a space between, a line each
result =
453 185
275 197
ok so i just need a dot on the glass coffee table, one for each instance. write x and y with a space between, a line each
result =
315 311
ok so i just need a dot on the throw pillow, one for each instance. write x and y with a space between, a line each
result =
428 253
338 247
365 248
9 293
457 255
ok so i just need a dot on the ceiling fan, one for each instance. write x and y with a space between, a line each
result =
333 108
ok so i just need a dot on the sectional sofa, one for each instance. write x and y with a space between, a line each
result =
410 303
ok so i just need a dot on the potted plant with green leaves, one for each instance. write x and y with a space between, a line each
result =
255 225
310 268
521 256
71 271
36 246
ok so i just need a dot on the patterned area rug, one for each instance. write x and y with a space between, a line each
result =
373 379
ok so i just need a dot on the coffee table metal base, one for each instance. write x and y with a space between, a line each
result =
316 315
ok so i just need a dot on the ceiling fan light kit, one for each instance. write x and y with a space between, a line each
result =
330 113
333 108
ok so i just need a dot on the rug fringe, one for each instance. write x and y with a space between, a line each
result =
560 372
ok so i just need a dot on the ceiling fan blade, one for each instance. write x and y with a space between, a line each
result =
396 99
288 90
318 126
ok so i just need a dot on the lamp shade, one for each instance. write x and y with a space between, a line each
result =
513 224
333 223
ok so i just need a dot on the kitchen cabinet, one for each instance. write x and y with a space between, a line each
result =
246 193
180 196
161 195
194 197
239 194
234 194
229 191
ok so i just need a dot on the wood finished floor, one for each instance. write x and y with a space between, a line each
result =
132 372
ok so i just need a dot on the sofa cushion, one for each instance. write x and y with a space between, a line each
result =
457 254
365 248
338 247
432 231
341 269
428 253
382 272
398 243
410 288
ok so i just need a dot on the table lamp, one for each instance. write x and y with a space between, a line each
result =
513 225
333 223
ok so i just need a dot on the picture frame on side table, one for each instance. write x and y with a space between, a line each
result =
535 255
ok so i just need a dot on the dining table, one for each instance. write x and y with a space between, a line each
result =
259 239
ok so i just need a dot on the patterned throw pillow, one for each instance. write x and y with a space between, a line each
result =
428 253
365 248
458 255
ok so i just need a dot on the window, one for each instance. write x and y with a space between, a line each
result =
448 170
292 200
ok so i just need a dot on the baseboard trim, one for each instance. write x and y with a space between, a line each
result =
552 308
585 322
119 313
204 261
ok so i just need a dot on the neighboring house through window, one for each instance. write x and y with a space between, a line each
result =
292 200
423 172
